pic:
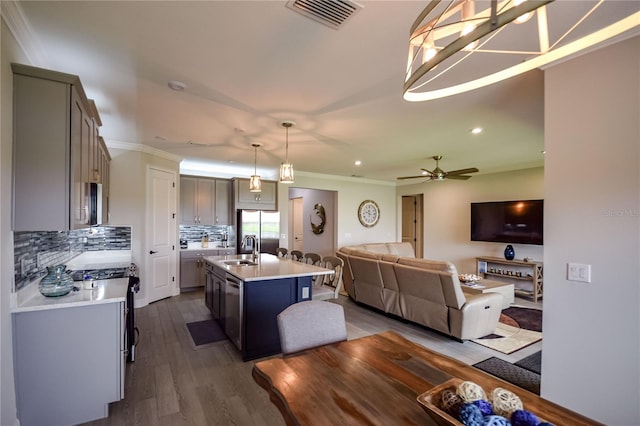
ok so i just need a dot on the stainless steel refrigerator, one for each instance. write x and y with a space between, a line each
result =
265 225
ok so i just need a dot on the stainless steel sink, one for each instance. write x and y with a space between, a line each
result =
239 262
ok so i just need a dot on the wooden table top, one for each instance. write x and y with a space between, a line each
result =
375 380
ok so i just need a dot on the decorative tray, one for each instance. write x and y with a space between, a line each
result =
430 403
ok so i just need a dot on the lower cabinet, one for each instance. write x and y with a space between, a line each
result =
263 301
69 363
193 266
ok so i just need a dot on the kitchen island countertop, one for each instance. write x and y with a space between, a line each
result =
268 267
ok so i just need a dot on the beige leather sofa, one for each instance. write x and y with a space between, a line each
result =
388 277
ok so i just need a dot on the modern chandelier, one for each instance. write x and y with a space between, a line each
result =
460 45
255 185
286 168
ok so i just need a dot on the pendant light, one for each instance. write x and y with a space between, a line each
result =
286 168
254 183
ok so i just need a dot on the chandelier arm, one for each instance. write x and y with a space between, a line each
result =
432 5
480 31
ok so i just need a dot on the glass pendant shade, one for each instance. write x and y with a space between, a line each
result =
286 173
255 185
286 168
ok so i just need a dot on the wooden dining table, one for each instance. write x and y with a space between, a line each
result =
376 380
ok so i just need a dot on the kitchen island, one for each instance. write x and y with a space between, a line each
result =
245 294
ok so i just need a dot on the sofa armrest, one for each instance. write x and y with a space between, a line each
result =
478 317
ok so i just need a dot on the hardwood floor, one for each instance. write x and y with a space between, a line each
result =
172 383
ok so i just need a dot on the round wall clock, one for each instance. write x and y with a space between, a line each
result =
368 213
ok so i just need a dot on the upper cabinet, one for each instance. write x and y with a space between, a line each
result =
56 151
204 201
264 200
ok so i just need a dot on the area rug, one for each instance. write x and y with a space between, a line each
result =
205 332
511 373
532 363
518 328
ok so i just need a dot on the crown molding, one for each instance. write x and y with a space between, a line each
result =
128 146
15 19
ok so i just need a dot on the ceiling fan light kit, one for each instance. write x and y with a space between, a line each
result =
255 185
286 168
450 34
438 174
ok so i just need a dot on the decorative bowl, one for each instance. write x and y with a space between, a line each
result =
469 278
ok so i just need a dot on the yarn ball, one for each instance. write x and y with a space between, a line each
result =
524 418
495 420
450 402
505 402
470 415
484 406
470 391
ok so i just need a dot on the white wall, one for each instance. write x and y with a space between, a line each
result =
128 189
447 214
10 53
591 346
351 192
324 243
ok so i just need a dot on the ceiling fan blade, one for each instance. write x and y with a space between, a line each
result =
462 171
458 177
412 177
427 172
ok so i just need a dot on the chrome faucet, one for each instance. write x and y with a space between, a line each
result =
254 240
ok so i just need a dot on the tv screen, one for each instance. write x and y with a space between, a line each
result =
515 222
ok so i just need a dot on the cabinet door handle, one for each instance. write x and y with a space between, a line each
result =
152 252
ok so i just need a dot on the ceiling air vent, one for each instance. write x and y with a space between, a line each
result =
332 13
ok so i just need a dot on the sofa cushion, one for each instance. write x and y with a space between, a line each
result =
392 258
401 249
366 254
435 265
380 248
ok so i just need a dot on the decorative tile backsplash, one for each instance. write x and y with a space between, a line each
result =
34 251
194 233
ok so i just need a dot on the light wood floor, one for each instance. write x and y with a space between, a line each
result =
172 383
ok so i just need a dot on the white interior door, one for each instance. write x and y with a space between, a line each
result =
161 235
297 211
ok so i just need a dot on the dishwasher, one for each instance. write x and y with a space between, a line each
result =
233 310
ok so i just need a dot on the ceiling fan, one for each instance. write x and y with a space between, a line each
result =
439 174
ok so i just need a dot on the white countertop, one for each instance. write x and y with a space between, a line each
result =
103 259
29 298
196 246
268 267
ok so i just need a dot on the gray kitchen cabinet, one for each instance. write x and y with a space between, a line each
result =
204 201
69 363
223 215
193 266
264 200
54 131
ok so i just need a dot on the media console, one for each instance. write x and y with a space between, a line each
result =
525 276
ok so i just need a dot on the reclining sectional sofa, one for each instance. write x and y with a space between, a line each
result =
388 277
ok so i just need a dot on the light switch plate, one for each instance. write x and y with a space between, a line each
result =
579 272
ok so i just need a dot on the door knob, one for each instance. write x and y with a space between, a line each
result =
152 252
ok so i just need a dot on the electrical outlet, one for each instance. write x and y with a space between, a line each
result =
579 272
305 292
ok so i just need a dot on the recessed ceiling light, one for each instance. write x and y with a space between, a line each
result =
177 85
358 162
476 130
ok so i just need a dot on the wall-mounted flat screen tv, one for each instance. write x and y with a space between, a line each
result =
514 222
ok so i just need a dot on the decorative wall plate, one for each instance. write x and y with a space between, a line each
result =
368 213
